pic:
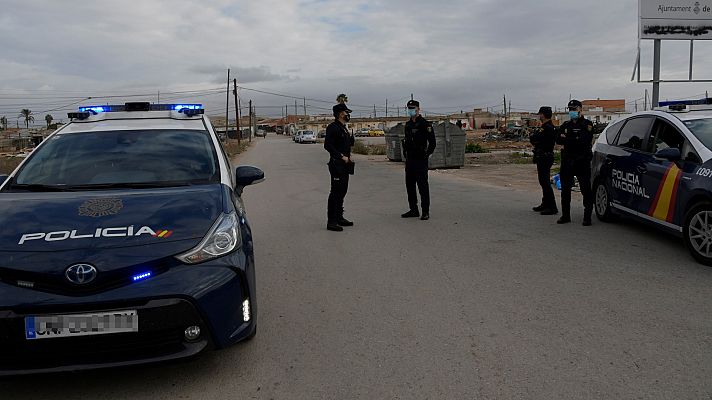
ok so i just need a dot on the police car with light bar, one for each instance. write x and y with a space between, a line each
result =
656 166
124 240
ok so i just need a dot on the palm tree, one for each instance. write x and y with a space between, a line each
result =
3 122
48 119
27 115
342 99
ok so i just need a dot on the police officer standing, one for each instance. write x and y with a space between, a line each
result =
338 143
418 146
544 140
576 135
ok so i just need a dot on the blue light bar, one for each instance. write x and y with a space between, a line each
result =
179 107
142 276
96 109
700 102
131 107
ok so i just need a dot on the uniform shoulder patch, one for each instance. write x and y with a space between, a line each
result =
430 128
590 128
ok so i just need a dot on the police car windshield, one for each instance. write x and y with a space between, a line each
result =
702 129
115 159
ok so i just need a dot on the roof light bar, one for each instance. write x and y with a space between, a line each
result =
700 102
143 106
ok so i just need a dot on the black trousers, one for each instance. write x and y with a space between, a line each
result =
543 169
581 169
339 188
416 174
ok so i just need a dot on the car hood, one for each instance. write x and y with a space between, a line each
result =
60 221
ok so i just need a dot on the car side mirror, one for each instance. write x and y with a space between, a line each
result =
3 178
671 154
247 175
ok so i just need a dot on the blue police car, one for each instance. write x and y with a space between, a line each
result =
124 240
656 166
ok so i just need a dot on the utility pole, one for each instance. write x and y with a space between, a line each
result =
505 111
227 100
295 108
374 111
656 72
251 122
305 108
159 98
237 111
386 108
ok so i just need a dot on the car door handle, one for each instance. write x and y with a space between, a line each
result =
641 169
608 161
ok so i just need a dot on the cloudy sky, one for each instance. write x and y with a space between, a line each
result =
452 54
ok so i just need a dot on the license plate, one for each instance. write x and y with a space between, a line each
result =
70 325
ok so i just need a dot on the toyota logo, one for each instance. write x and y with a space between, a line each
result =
80 274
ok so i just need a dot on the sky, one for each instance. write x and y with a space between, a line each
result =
452 55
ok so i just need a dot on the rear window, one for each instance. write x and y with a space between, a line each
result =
120 157
634 132
612 132
702 129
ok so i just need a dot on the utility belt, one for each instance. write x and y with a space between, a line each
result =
540 155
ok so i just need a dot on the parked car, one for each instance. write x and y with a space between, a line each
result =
124 241
655 166
322 134
306 137
363 132
376 132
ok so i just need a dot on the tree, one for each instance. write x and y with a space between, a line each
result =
48 119
3 122
27 115
342 99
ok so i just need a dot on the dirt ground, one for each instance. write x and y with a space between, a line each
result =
8 164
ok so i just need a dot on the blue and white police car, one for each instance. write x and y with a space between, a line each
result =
124 240
656 166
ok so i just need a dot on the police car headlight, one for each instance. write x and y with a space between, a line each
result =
223 238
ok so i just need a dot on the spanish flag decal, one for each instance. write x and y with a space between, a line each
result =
664 205
163 234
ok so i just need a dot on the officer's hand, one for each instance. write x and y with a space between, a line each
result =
346 159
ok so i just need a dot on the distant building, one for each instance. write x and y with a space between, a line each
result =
598 105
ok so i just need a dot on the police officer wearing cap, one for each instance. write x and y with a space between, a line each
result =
544 140
338 143
576 135
418 146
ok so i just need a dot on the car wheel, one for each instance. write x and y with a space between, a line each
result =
602 202
697 232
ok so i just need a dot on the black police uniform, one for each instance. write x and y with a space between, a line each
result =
544 140
577 138
418 146
338 143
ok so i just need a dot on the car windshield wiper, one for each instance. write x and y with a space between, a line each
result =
35 187
134 185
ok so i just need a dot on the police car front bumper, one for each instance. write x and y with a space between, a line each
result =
209 296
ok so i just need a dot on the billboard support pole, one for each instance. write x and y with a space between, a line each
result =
692 52
656 73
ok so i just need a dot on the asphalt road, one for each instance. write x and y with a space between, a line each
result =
485 300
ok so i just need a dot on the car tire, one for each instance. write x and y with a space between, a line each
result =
697 232
602 202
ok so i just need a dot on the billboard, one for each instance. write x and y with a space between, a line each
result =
676 19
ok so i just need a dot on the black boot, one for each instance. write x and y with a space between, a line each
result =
425 216
334 227
344 222
565 219
411 214
541 207
587 219
549 211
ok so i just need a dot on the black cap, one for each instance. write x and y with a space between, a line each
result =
546 111
339 108
413 104
575 104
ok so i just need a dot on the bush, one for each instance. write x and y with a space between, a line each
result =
369 149
232 148
473 147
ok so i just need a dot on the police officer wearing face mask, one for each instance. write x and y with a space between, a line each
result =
338 143
418 146
544 140
576 135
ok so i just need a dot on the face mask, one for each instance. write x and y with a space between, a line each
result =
573 114
347 117
412 112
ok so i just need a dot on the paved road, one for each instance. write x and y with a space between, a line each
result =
486 300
